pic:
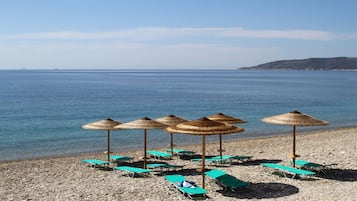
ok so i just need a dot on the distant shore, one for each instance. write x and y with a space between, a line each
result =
66 178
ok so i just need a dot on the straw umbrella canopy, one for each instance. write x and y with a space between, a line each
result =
106 124
143 123
294 118
171 120
203 127
226 119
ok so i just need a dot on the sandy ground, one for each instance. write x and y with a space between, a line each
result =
66 178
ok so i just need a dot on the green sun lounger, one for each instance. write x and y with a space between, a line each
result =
132 171
226 181
226 159
96 162
316 167
180 151
286 169
159 154
118 158
193 193
163 166
230 158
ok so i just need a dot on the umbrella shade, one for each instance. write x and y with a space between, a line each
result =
171 120
294 118
226 119
203 127
106 124
143 123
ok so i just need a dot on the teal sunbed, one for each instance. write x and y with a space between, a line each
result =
231 158
132 171
96 162
286 169
159 154
311 166
118 158
180 151
164 166
193 193
226 159
225 180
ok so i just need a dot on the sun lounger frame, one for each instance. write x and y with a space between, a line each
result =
119 158
132 171
96 162
226 181
288 170
159 154
225 160
315 167
192 193
180 152
163 166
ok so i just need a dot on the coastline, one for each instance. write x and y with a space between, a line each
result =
66 178
299 133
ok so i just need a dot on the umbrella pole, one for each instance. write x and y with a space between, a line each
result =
203 159
144 148
294 138
172 144
108 151
220 146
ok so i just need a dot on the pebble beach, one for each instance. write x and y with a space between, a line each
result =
67 178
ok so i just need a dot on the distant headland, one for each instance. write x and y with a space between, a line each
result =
336 63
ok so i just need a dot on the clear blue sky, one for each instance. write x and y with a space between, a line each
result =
171 34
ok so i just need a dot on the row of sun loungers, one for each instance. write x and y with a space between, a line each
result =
220 177
225 159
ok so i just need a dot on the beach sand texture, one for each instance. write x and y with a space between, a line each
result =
66 178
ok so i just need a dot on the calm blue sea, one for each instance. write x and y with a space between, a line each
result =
42 111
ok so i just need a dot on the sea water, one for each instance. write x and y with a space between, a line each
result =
42 111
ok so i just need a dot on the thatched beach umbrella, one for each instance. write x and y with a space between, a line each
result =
204 127
106 124
143 123
226 119
171 120
294 118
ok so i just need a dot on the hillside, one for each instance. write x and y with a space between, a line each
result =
337 63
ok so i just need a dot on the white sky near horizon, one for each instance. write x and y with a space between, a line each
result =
172 34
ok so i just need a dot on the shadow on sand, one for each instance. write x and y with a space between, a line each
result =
256 162
339 174
262 191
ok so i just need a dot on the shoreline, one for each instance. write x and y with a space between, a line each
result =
315 131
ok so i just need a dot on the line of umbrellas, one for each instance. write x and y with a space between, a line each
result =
218 124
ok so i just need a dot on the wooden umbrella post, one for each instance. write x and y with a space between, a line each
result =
144 148
294 138
108 154
203 159
172 144
220 146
